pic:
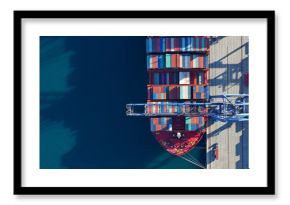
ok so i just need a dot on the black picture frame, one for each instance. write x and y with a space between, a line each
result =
268 190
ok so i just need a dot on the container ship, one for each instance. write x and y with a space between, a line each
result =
177 71
178 101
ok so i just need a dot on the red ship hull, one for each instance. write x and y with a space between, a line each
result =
179 147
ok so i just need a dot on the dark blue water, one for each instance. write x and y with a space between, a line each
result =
85 83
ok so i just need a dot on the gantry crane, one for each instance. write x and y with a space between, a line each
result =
225 108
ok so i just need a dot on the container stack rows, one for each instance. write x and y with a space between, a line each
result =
177 71
167 44
178 93
165 123
181 61
177 77
161 124
194 123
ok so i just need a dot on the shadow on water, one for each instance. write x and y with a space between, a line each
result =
55 67
85 85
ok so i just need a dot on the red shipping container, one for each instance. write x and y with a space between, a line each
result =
191 62
192 120
200 61
178 60
149 109
156 89
165 108
173 61
205 78
194 95
158 127
174 108
195 121
155 109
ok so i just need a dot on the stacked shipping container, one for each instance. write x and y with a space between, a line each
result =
194 123
175 44
177 77
181 61
177 92
177 69
161 124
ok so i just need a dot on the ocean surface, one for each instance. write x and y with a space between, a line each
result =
85 84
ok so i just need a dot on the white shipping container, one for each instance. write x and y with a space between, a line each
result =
179 61
184 78
184 92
